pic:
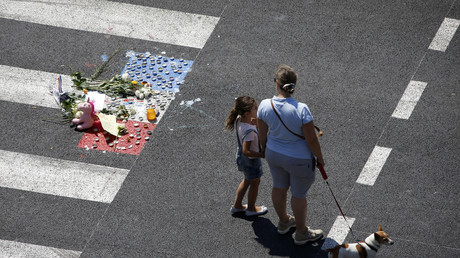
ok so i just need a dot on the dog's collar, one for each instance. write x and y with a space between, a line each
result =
371 245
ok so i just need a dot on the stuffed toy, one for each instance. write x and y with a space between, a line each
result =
85 120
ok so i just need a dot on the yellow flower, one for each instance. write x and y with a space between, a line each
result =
134 82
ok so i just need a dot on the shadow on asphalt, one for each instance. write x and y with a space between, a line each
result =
281 245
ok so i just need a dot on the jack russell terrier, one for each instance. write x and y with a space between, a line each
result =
363 249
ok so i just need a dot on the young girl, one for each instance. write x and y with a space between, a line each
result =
244 117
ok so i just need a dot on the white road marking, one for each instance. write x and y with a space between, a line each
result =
30 86
338 232
409 99
444 35
18 249
373 165
60 177
112 18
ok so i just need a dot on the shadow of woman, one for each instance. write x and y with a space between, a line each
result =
283 245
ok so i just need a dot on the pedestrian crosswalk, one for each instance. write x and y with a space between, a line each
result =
46 175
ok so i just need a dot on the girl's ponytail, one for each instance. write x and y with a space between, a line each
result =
230 123
243 104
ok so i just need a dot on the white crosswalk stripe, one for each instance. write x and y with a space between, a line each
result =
18 250
119 19
70 179
59 177
30 87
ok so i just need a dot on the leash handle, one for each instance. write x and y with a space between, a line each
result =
323 172
320 132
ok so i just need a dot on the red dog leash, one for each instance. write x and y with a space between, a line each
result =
323 173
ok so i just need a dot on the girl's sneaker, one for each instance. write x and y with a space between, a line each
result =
283 227
310 235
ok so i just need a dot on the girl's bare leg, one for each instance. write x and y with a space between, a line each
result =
252 195
240 192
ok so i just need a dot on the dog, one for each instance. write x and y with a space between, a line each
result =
363 249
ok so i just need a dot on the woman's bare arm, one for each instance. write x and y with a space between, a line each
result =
309 132
263 132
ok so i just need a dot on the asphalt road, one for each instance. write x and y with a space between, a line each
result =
354 60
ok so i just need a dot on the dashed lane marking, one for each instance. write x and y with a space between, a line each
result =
18 249
409 99
118 19
404 109
373 166
444 34
338 232
60 177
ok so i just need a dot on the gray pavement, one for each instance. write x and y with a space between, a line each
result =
354 61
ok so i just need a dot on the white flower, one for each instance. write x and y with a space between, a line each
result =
125 77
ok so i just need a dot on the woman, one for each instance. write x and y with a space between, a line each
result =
287 135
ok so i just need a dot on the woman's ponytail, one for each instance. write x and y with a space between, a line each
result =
286 78
288 87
